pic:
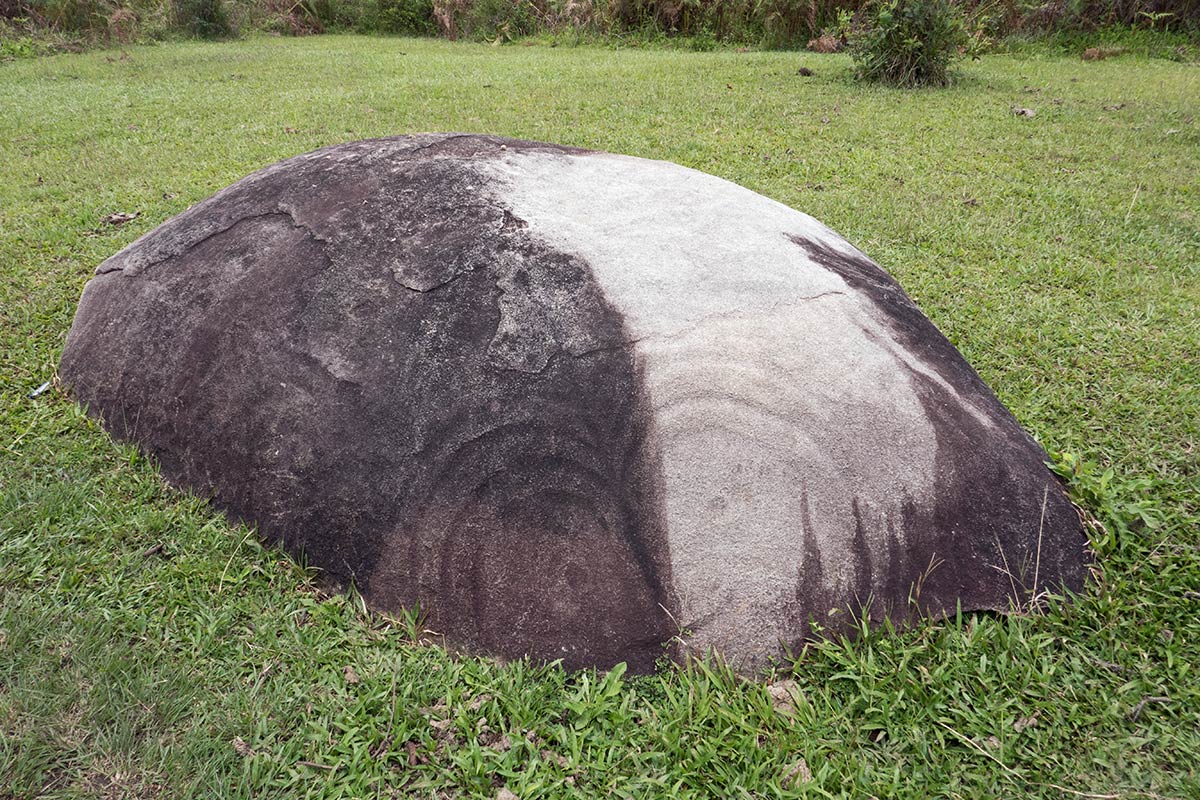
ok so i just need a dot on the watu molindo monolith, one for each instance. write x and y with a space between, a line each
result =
572 404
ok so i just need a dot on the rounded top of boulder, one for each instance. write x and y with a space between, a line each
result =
576 405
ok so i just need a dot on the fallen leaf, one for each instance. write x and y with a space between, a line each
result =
505 794
350 675
291 130
1101 53
438 708
970 201
805 71
825 44
414 757
1023 112
120 218
1116 107
241 748
380 750
784 696
1025 722
798 774
479 701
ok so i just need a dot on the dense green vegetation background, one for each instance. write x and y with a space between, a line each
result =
701 23
149 648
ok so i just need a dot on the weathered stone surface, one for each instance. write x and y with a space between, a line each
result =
574 404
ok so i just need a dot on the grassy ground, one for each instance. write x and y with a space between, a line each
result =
148 648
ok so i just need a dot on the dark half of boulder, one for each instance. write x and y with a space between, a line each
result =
574 405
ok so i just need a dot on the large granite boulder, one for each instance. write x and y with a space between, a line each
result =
575 405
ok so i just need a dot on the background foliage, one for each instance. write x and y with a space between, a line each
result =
702 23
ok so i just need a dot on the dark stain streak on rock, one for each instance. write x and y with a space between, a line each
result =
896 581
989 478
913 330
812 600
860 551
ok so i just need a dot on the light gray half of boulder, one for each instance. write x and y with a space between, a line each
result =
575 405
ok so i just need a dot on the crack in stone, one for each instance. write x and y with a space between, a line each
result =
436 142
408 284
677 334
175 252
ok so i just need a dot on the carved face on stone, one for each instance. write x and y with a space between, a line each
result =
574 405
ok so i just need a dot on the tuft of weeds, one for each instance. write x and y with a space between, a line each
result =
908 43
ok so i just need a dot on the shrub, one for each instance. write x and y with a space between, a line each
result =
401 16
487 19
122 25
74 16
204 18
908 42
792 22
708 21
294 17
825 43
1090 15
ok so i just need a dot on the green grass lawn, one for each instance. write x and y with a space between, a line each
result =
148 648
